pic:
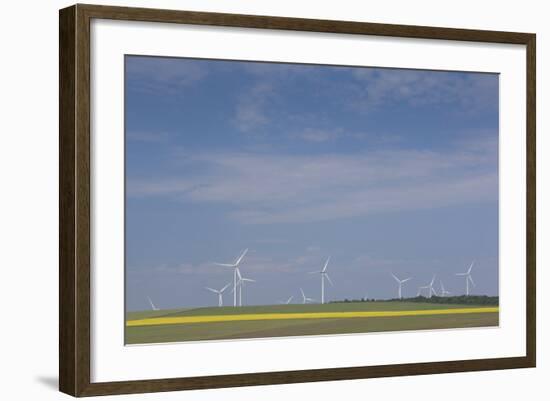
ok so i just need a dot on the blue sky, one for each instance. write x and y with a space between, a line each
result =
385 170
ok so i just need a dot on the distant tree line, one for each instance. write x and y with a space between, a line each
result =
346 300
461 299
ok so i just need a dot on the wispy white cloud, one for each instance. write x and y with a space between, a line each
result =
161 187
324 135
368 89
369 201
257 106
261 189
150 74
251 113
468 92
317 135
253 263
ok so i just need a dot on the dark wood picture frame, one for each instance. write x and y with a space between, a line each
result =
74 200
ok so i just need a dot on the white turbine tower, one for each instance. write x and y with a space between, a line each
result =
305 299
219 292
444 292
429 287
400 284
468 277
240 284
235 267
153 307
324 274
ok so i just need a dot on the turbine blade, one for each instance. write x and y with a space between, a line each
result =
225 288
241 257
211 289
407 279
471 280
224 264
461 274
395 277
239 274
328 278
152 304
470 268
326 265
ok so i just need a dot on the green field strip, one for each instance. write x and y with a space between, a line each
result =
305 327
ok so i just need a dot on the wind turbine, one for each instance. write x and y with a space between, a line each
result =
240 284
235 267
219 292
153 307
443 291
305 299
324 275
468 277
400 283
429 287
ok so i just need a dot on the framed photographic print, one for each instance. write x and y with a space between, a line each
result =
299 200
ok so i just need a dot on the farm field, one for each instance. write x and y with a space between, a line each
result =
216 323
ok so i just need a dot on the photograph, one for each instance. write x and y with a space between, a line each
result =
270 199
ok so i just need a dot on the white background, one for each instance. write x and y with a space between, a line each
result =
28 212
